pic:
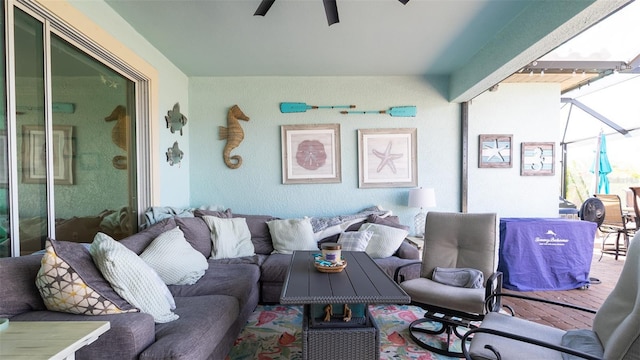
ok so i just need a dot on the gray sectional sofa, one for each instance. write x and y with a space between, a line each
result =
211 312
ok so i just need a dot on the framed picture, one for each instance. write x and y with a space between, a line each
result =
537 158
495 151
387 158
311 154
34 168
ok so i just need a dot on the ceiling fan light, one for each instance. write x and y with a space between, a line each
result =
404 2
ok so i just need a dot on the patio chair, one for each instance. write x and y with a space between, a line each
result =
636 205
615 333
615 223
460 250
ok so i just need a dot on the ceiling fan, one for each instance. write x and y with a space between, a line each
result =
330 8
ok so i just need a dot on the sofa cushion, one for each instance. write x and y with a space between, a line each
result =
204 322
128 336
230 238
290 235
384 241
260 235
171 256
197 234
69 281
392 221
355 240
19 294
274 269
132 278
234 280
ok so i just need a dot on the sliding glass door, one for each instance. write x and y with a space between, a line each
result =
75 135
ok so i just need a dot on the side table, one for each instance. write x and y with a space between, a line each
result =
55 340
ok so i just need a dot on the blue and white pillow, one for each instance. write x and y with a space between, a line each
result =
355 240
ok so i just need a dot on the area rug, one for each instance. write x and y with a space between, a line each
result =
274 333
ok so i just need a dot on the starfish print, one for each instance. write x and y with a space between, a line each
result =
494 151
387 158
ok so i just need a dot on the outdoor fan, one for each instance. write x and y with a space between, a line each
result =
330 8
592 210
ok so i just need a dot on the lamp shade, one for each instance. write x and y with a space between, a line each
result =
422 198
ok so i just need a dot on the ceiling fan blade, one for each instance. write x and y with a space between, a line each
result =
264 6
404 2
331 8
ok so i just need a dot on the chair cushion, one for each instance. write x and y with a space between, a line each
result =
511 349
427 291
582 340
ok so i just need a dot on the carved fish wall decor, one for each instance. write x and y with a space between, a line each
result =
175 119
174 155
234 135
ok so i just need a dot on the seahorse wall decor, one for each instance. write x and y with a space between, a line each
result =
234 135
119 134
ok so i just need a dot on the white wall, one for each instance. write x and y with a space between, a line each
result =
530 112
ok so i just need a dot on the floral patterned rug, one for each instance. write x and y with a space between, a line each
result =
274 333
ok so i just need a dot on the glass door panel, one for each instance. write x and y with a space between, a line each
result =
30 114
93 146
5 241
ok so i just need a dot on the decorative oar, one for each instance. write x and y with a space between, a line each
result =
406 111
295 107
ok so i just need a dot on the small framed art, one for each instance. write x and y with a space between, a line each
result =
311 154
495 151
537 158
34 169
387 158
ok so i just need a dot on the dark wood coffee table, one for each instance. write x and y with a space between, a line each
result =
362 282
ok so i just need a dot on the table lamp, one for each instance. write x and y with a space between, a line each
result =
422 198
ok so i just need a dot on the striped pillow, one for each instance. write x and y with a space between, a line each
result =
174 259
132 278
355 240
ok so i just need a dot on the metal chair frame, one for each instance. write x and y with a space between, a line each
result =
615 222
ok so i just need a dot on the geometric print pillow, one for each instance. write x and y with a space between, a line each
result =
69 281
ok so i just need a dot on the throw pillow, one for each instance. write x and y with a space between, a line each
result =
230 237
355 240
384 241
292 234
69 281
132 278
177 262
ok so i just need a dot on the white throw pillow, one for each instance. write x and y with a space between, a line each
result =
132 278
230 237
174 259
292 234
355 240
385 240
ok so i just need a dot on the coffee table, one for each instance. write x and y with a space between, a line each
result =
48 339
362 282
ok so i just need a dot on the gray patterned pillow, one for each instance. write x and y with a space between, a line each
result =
69 281
355 240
